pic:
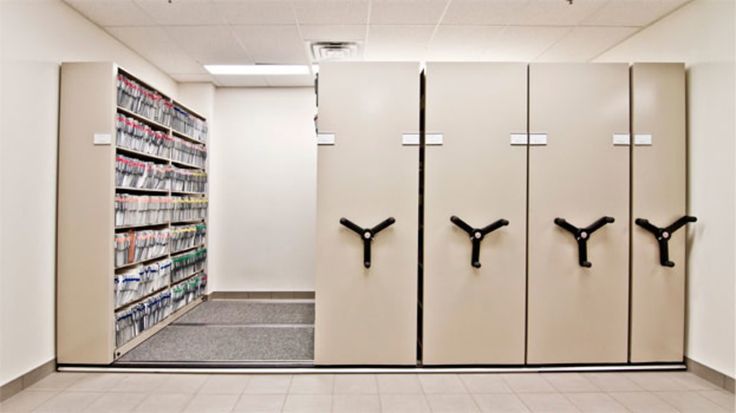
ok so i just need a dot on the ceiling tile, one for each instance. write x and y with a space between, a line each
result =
522 44
407 11
184 77
112 12
555 12
402 43
272 44
486 12
156 45
209 44
331 11
585 43
241 81
632 12
333 33
256 11
181 12
290 81
469 43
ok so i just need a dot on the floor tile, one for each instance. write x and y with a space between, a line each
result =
356 384
595 403
547 403
499 403
260 403
690 402
642 402
268 384
140 383
164 402
442 384
225 384
399 384
116 402
721 398
612 382
69 402
570 382
26 401
212 403
356 403
312 384
182 383
451 403
404 403
485 383
692 382
656 381
308 403
528 383
97 382
57 381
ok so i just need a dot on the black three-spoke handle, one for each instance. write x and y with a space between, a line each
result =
582 235
477 235
367 235
663 235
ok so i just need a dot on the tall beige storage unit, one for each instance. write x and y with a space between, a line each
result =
659 178
474 311
88 194
578 314
367 315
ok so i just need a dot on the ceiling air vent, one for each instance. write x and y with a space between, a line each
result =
327 51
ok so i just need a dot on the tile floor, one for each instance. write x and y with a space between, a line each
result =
403 393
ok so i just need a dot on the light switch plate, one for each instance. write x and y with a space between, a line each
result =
643 139
102 139
537 139
621 139
518 139
325 139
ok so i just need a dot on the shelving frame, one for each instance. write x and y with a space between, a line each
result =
86 268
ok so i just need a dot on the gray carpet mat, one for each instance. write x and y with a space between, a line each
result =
226 312
225 343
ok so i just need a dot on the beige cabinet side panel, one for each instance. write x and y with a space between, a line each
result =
658 194
475 315
577 314
85 215
367 316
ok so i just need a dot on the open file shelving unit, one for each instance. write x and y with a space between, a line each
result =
86 217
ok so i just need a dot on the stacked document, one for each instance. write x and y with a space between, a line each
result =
186 292
135 246
189 208
188 236
133 321
141 281
188 180
189 153
189 125
137 136
134 210
187 264
137 174
143 101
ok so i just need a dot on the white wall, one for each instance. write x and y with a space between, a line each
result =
35 37
701 34
263 171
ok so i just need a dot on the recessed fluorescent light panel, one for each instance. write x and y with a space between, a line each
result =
258 70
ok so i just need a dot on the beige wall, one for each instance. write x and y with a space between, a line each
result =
701 34
35 37
263 168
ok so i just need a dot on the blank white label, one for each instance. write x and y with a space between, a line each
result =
410 139
433 139
102 139
621 139
518 139
537 139
642 139
325 139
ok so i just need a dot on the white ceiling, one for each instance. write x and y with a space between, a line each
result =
181 36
